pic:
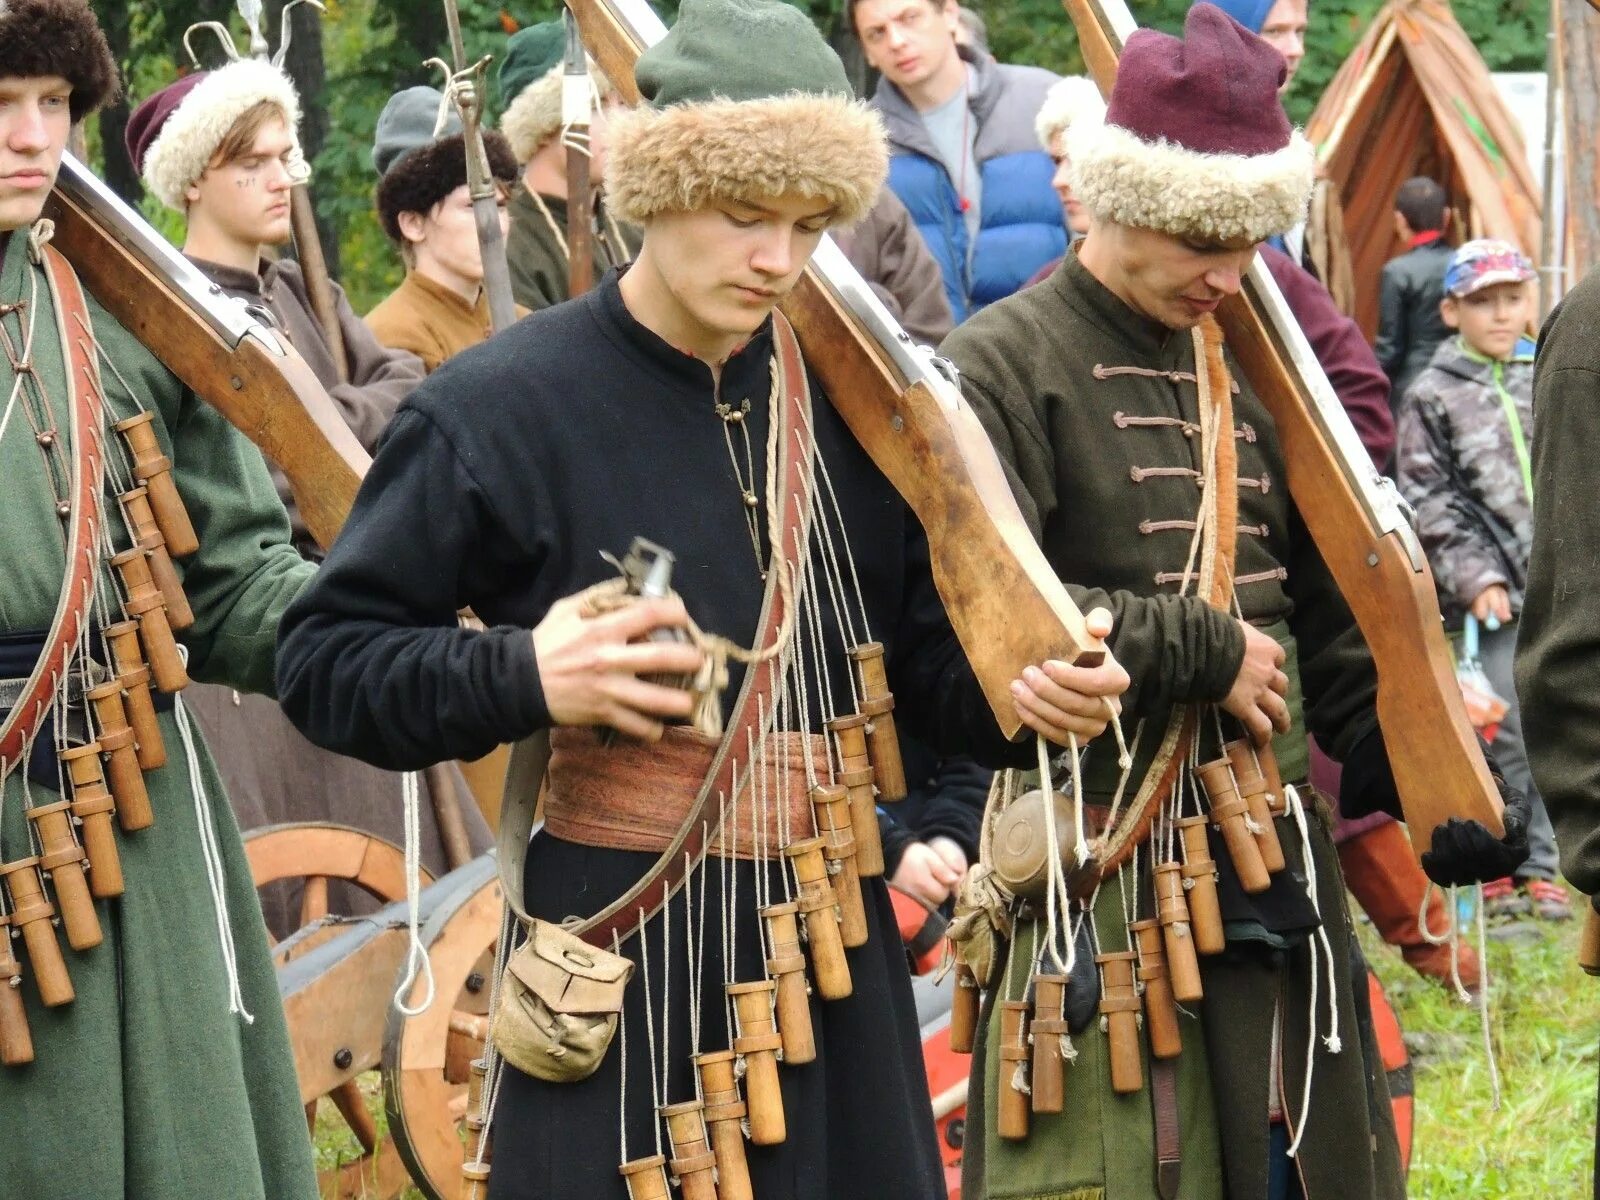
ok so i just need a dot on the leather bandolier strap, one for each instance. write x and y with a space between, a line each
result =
702 821
82 531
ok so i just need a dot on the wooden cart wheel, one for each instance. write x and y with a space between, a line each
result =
315 852
426 1058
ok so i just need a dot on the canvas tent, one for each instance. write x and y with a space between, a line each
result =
1415 98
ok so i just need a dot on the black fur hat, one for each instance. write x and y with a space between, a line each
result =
424 177
59 37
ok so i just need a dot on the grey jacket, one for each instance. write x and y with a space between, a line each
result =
1460 467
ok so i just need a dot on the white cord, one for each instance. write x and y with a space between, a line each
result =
1333 1041
417 960
211 854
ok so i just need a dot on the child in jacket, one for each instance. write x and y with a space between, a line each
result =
1463 464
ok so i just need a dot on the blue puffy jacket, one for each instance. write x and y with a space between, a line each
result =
1021 227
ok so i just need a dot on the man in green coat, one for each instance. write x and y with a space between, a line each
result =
168 1075
536 248
1087 384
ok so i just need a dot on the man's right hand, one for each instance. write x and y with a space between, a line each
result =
590 667
1259 696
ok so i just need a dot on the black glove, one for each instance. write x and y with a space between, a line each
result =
1464 852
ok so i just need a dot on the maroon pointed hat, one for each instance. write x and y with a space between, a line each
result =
1195 141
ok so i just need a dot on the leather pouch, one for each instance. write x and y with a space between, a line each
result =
560 1000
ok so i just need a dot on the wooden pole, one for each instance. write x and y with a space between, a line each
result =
1579 44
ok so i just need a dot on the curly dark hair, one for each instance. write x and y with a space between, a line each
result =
424 177
59 37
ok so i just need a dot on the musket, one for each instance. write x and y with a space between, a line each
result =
211 342
302 216
1356 519
575 117
465 86
1006 604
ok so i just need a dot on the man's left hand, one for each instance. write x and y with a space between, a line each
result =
1464 852
1057 699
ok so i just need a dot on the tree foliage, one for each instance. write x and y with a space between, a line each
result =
362 51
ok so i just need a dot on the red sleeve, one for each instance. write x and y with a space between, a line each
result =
1352 368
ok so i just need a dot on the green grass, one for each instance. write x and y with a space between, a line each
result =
1541 1141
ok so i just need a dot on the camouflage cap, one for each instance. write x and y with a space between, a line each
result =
1483 263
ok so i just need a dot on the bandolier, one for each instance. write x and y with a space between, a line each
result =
708 935
1190 963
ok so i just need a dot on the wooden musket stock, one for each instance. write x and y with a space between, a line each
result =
243 370
1005 603
1356 522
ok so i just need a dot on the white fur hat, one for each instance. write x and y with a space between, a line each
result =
1069 98
175 133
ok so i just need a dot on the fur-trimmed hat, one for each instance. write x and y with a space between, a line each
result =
1069 98
530 86
59 37
173 136
417 169
744 99
1195 142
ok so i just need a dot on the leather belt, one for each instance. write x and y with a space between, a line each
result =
632 796
1169 1152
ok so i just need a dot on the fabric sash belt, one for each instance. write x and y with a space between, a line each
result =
19 652
633 796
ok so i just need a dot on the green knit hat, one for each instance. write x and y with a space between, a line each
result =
744 99
531 54
530 86
739 50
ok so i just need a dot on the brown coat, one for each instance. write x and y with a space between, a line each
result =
429 320
272 774
892 257
376 379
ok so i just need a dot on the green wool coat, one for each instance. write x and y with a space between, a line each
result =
537 257
146 1085
1105 463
